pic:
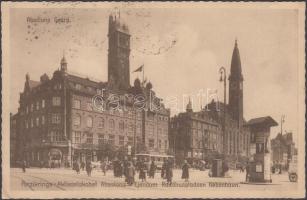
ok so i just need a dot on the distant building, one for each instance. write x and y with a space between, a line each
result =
283 148
59 120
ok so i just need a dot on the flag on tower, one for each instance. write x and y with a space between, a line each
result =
139 69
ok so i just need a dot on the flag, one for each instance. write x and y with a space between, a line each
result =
139 69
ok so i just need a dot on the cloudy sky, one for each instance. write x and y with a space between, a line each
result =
182 49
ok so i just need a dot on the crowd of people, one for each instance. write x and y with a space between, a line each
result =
129 168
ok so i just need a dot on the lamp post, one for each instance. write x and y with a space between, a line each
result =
282 120
222 72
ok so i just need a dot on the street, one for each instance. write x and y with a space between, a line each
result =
67 179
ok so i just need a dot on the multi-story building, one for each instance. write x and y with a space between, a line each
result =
69 117
195 135
283 148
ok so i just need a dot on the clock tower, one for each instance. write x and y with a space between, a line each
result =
118 54
236 87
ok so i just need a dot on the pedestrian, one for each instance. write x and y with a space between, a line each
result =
163 169
104 167
130 173
185 171
142 173
225 168
120 169
77 167
23 166
125 169
152 170
247 169
169 172
88 167
82 165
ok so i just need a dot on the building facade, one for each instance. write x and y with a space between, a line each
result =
195 135
68 117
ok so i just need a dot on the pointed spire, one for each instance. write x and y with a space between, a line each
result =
189 106
63 62
235 69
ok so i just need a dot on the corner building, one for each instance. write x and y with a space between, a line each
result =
59 120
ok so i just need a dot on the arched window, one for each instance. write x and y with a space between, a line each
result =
77 120
89 122
111 123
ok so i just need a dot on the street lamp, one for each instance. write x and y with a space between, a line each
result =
222 72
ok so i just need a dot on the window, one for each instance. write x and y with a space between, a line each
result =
100 122
77 137
43 120
100 139
37 105
111 124
130 140
160 144
27 109
77 120
121 140
37 121
89 122
77 104
112 139
55 118
89 138
166 144
121 125
89 106
31 122
56 101
78 86
54 136
27 125
32 106
43 103
151 143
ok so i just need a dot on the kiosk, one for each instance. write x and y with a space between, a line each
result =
260 143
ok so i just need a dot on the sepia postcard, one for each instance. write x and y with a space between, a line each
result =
153 100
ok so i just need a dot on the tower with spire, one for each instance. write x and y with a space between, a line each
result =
118 54
63 64
236 87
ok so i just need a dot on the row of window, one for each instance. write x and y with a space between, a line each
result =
101 123
38 121
122 140
56 101
89 139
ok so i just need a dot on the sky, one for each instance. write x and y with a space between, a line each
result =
182 50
